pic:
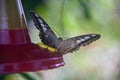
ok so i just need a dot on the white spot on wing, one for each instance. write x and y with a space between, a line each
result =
78 41
87 37
43 25
82 39
36 15
93 35
40 21
44 28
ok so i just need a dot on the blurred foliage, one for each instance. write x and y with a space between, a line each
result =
31 5
80 16
21 76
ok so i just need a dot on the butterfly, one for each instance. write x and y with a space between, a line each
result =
49 38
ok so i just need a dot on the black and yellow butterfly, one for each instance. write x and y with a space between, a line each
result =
49 38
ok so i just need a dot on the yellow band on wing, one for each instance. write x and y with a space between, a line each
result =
47 47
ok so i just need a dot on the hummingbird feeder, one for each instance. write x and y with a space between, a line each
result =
17 52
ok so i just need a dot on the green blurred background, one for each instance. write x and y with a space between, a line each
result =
97 61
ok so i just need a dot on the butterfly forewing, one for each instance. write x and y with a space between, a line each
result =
47 36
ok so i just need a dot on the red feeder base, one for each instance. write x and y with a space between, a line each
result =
27 57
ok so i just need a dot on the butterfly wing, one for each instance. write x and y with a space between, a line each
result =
72 44
46 34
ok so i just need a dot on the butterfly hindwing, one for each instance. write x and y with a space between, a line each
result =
72 44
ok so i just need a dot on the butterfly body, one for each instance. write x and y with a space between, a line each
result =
49 38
